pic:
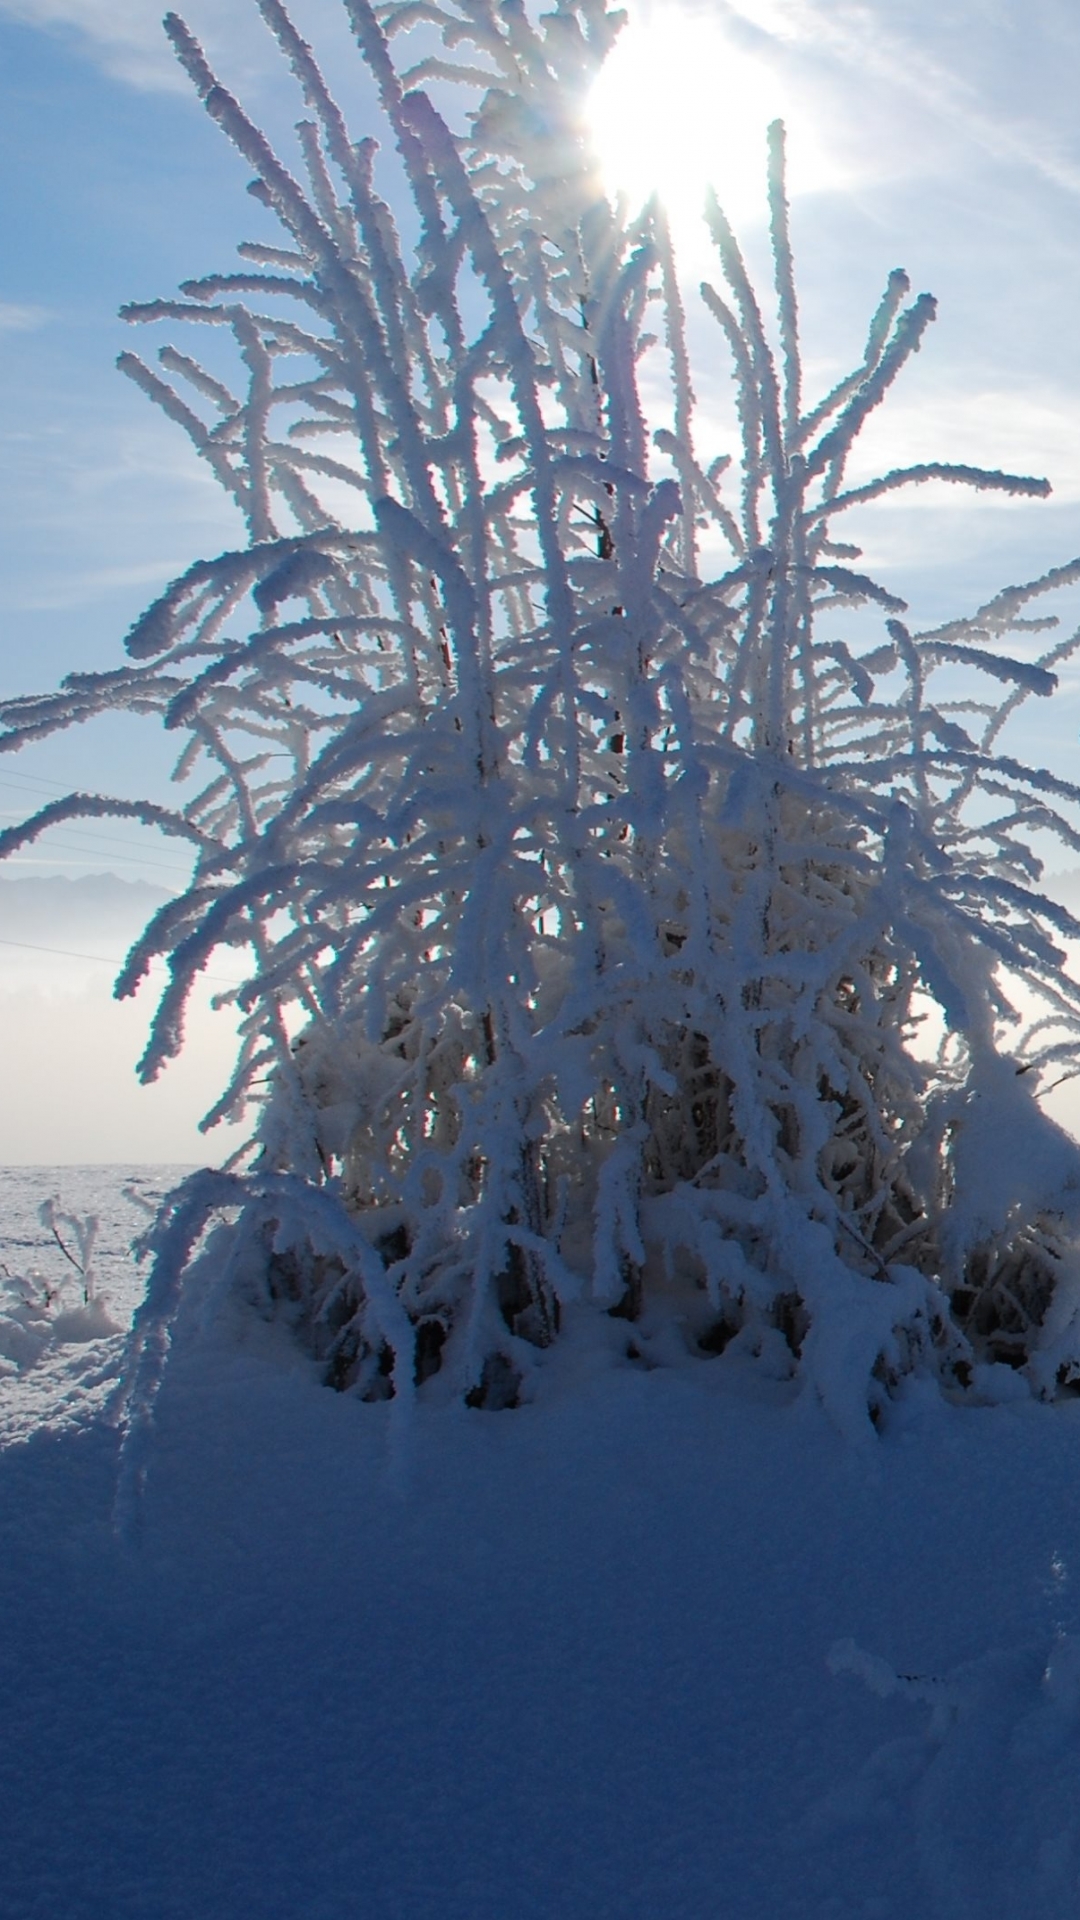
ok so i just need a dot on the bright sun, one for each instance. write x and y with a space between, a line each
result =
679 107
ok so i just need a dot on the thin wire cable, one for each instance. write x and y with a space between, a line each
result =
108 847
70 953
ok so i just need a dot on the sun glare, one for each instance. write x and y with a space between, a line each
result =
678 108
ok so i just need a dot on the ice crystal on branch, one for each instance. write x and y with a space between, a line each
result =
595 900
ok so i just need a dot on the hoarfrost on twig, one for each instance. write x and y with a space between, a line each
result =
592 905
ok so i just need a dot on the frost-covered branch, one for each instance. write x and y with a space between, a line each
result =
594 905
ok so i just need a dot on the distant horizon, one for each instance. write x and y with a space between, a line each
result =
68 1049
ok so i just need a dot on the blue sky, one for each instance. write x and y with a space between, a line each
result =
938 136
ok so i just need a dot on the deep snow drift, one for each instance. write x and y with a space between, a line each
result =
659 1644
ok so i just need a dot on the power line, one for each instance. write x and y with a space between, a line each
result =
69 953
21 782
12 778
109 847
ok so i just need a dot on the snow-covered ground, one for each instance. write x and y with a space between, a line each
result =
660 1644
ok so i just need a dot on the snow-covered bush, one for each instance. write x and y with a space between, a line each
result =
602 839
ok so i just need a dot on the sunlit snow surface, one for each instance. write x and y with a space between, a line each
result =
660 1645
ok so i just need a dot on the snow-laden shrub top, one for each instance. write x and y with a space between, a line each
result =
596 890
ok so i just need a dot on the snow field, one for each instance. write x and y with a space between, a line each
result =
660 1644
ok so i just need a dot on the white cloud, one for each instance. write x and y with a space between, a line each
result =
1025 430
104 506
15 318
124 35
863 39
82 586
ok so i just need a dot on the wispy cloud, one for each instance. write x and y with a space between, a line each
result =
15 318
862 39
83 586
124 35
1034 429
125 38
108 511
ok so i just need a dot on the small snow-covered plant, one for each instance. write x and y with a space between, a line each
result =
603 841
36 1310
83 1229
